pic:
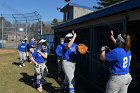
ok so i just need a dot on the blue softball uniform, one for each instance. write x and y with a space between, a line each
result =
27 44
38 47
59 50
70 53
119 61
31 44
38 58
22 47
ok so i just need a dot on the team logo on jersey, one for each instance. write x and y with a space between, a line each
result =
126 61
22 46
39 54
73 49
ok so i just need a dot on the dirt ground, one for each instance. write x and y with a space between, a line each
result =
5 51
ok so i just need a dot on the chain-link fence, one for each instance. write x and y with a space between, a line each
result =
14 27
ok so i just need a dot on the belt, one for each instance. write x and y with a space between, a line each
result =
119 74
40 62
69 60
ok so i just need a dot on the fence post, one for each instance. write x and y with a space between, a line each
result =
2 31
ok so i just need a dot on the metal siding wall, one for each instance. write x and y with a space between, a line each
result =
78 12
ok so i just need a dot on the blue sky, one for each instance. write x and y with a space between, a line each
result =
46 8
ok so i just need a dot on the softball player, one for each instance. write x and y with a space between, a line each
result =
22 48
31 47
27 52
39 43
39 59
69 59
59 56
119 59
39 48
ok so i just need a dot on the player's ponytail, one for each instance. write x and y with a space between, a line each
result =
127 45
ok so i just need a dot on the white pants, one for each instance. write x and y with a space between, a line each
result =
69 69
118 83
31 50
22 56
41 71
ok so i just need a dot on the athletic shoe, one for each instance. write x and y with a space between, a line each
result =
40 88
20 65
30 62
23 65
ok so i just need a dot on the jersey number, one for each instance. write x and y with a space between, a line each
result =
126 61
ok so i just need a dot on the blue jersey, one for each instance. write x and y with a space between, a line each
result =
119 61
59 50
70 53
32 44
22 47
38 57
27 44
38 47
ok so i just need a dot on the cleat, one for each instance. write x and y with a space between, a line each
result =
40 88
23 65
20 65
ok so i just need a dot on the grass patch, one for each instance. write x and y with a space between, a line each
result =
14 79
